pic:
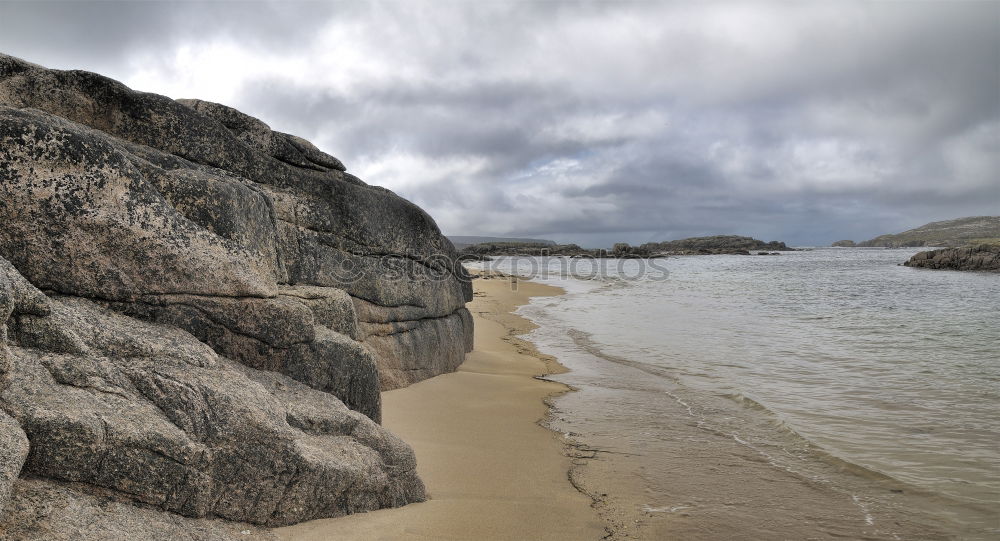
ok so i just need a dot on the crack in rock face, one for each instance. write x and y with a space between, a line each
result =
197 316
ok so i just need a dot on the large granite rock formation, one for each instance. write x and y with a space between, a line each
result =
146 411
191 300
982 257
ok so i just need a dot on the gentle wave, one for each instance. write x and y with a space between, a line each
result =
774 420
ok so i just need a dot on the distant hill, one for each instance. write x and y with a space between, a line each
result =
461 241
948 233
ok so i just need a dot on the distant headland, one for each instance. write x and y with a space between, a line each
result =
971 244
947 233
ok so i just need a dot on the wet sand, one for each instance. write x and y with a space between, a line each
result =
491 471
669 477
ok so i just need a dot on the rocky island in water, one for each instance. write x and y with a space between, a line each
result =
714 245
980 257
197 316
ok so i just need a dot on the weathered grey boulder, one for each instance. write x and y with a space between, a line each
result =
190 301
981 257
148 412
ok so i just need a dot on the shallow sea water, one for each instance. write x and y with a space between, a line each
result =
835 364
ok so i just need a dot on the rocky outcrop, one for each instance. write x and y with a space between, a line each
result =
983 257
199 312
844 244
148 412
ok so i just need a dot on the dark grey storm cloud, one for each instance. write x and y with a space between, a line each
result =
597 121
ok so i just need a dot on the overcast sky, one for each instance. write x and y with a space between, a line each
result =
591 122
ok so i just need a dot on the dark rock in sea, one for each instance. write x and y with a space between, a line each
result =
982 257
199 313
461 241
723 244
844 244
515 248
620 250
719 244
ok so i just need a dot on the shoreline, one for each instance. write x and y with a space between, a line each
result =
665 461
492 467
550 467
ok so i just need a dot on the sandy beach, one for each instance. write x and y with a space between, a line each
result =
491 471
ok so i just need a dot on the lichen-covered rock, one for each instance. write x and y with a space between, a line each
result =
981 257
190 301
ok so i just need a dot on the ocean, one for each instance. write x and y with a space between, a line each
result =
869 384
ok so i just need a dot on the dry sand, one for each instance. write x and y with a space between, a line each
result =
492 472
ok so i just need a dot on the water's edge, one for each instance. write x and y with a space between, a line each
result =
629 411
